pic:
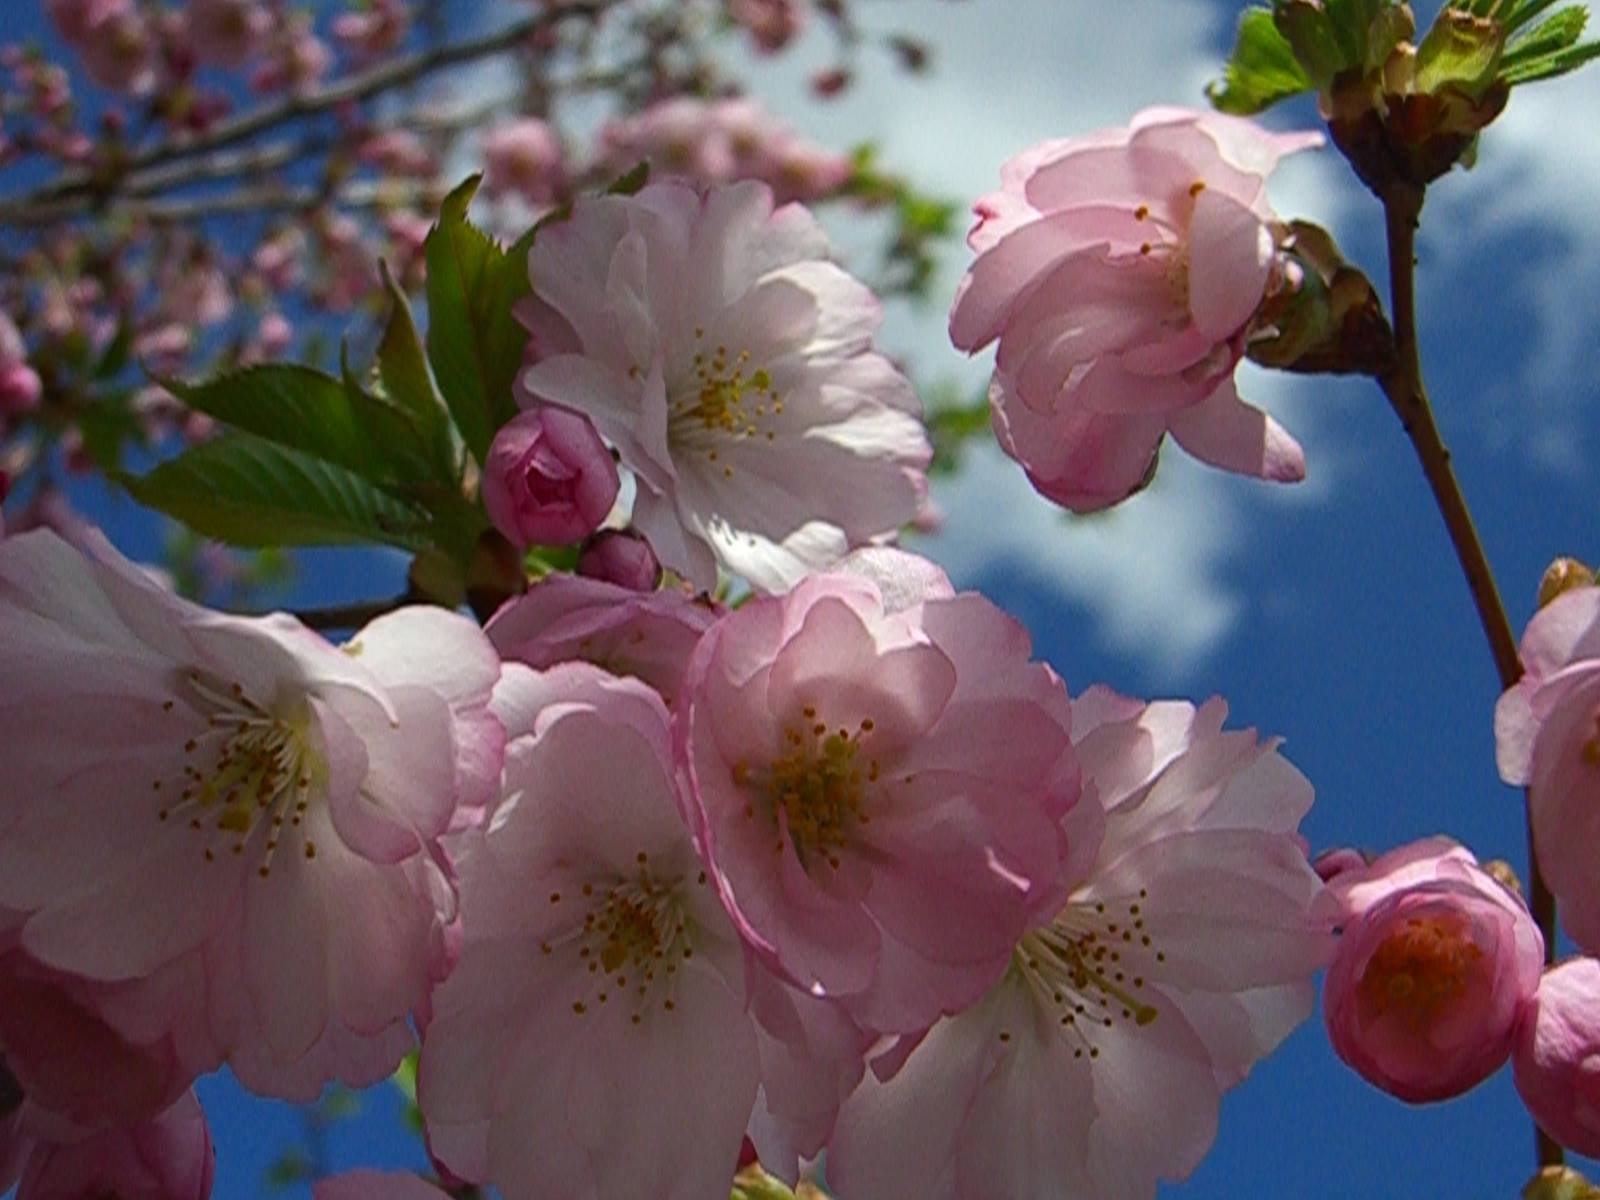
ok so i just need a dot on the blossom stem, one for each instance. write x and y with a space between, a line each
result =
1403 385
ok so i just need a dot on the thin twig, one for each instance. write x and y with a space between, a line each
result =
355 89
1409 399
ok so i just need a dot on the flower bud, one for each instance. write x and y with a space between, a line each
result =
549 479
1556 1062
622 557
1563 575
1435 962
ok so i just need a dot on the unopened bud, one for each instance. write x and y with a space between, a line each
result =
1559 1183
1562 576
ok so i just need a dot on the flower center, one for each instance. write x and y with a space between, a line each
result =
251 770
1087 969
1418 970
816 792
633 936
723 400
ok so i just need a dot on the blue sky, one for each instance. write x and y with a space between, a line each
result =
1331 614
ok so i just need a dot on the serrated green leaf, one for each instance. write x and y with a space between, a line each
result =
1520 12
403 371
248 491
1551 65
629 184
1261 70
474 341
1561 30
322 416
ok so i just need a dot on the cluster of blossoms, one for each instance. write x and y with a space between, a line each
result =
719 141
656 883
154 117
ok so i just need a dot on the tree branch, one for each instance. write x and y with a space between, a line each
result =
1409 399
109 179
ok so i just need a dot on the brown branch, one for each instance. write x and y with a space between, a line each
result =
108 180
1403 386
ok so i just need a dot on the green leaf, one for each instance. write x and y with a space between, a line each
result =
247 491
1560 30
629 184
1552 65
322 416
474 342
403 372
1262 69
1520 12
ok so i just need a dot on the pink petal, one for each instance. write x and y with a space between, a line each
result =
1230 258
1226 432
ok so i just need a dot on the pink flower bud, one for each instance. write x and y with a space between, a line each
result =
622 557
524 158
1556 1061
549 478
1434 965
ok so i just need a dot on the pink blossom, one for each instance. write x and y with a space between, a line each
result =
878 782
567 618
374 31
1119 273
622 557
1556 1060
1547 739
772 24
227 32
76 20
1180 954
594 1038
398 152
731 366
165 1157
244 818
297 60
548 478
1435 962
376 1185
21 390
720 141
117 45
524 158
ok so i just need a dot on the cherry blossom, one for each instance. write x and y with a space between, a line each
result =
524 158
246 817
731 366
1119 273
878 790
1436 960
1181 954
227 32
594 1039
1547 739
1556 1060
376 1185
